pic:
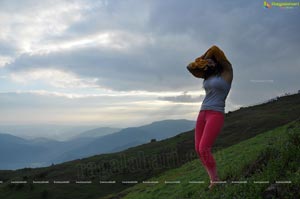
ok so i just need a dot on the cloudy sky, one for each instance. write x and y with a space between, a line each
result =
123 63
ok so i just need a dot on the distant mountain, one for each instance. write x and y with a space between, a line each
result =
50 131
97 132
8 140
18 152
129 137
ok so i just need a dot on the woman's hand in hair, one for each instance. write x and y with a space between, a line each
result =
211 63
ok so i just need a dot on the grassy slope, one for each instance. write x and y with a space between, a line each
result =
274 155
239 125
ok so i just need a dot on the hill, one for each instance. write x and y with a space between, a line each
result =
273 156
148 160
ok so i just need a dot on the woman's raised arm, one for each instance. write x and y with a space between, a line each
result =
216 54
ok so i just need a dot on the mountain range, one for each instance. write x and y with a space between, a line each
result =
41 152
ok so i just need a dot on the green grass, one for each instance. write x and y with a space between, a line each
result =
273 156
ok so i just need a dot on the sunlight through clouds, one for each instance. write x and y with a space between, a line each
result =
54 78
4 60
87 61
155 96
116 40
63 108
33 23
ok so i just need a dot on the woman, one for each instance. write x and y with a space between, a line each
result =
217 73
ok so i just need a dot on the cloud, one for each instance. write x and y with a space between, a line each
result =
4 60
117 70
55 78
59 108
139 50
111 95
151 52
183 98
33 23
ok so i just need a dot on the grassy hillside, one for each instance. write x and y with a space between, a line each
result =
271 156
144 161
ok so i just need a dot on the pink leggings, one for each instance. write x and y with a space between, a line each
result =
208 126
